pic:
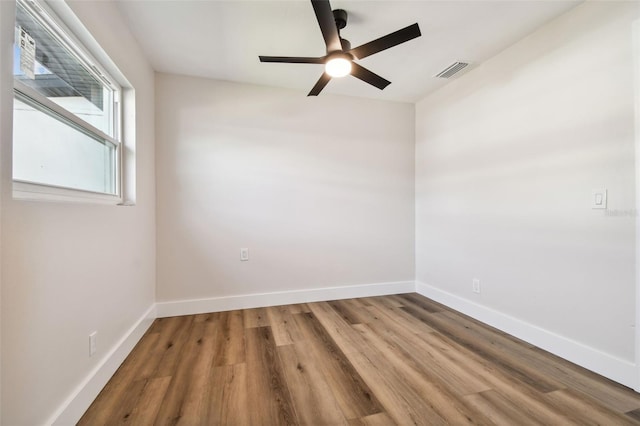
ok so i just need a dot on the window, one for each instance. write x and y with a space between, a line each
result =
66 114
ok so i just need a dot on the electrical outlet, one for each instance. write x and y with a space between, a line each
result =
244 254
476 285
92 343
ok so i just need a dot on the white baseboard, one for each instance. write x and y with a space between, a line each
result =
247 301
81 398
614 368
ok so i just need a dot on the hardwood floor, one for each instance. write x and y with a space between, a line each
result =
374 361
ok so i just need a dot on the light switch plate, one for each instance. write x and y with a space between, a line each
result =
244 254
599 198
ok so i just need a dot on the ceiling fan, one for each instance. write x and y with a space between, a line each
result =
339 60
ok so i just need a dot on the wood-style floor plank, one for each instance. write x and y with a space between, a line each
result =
285 330
584 411
559 373
376 361
130 400
356 399
343 334
478 344
267 389
147 407
183 402
380 419
353 311
423 303
313 399
634 414
605 391
519 393
229 345
227 396
298 308
424 382
501 410
424 357
256 318
172 345
392 314
400 401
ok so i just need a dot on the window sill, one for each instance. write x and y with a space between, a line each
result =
27 191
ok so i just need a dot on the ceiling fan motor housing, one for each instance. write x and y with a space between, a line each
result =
340 16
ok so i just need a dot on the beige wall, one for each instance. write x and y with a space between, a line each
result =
71 269
320 190
507 157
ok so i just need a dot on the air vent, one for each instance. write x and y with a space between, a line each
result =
452 69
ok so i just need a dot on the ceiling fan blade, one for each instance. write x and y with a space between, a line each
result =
292 59
358 71
327 23
390 40
324 79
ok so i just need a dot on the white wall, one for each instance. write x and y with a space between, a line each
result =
6 92
320 190
507 157
70 269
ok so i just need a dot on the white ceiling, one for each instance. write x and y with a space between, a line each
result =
222 39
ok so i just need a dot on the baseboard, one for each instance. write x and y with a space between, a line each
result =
81 398
614 368
247 301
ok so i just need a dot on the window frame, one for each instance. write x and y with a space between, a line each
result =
27 190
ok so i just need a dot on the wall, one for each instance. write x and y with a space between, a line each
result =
6 93
319 189
70 269
507 157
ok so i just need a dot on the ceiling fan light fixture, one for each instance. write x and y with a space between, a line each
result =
338 66
339 61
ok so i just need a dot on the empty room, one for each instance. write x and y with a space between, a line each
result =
345 212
